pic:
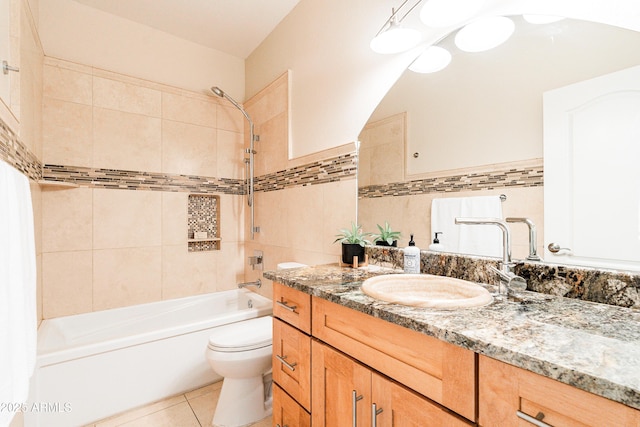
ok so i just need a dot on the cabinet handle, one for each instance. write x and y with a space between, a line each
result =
291 308
374 415
354 404
282 360
537 421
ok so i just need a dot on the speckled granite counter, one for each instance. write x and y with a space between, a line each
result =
594 347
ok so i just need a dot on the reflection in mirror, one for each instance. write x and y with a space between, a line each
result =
476 127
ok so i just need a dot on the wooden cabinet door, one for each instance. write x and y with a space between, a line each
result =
287 412
292 362
398 406
292 306
342 389
507 393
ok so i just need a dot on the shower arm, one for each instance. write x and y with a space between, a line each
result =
251 151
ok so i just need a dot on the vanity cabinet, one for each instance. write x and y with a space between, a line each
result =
443 372
287 412
508 395
351 394
291 358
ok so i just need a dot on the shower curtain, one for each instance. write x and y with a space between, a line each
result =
18 323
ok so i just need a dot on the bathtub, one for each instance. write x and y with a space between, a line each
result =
94 365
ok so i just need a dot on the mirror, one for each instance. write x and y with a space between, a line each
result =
476 128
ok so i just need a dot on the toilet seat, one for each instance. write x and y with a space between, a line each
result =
242 336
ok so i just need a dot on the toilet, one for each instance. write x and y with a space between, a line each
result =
241 353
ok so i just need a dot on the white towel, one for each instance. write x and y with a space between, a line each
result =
485 240
18 324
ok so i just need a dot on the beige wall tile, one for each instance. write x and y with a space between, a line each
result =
272 214
66 133
187 273
305 226
230 152
123 277
124 218
174 218
67 220
187 109
68 85
232 211
126 141
231 119
67 283
338 211
273 145
126 97
188 149
231 264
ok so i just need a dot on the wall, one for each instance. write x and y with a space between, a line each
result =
299 204
340 81
85 35
137 149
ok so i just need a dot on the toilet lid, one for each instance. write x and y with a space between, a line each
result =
241 336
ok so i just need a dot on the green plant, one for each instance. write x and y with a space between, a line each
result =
355 235
386 234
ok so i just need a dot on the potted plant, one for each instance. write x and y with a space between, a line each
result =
353 241
386 237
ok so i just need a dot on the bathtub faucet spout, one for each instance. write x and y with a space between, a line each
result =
257 284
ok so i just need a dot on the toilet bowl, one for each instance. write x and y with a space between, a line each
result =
241 353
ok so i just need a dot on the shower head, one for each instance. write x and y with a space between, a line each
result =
216 90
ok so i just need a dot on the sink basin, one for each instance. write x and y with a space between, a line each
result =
426 290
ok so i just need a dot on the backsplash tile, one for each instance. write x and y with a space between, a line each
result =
15 153
588 284
516 177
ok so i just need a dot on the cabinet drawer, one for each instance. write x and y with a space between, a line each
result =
292 306
443 372
287 412
292 362
505 390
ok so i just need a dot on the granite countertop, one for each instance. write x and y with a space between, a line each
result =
594 347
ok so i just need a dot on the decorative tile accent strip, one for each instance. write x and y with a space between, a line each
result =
587 284
133 180
329 170
203 221
15 153
525 177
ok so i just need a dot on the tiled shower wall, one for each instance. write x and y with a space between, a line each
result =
105 247
300 203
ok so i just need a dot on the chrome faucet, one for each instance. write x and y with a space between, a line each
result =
257 284
508 278
533 237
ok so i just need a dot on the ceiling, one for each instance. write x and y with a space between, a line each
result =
235 27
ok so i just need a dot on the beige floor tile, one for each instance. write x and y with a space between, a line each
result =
204 406
177 415
266 422
138 413
203 390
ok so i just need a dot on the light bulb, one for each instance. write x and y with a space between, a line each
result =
484 34
395 39
431 60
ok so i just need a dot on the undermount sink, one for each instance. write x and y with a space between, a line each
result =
426 290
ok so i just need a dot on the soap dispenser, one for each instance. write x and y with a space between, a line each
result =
412 258
436 245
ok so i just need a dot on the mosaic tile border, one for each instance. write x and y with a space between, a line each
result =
15 153
330 170
588 284
516 177
135 180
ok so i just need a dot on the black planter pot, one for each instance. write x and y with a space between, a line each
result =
349 250
384 243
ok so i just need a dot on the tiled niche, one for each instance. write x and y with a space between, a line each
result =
203 223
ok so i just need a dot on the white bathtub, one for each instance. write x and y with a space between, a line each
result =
94 365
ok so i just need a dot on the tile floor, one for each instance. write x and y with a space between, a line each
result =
192 409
